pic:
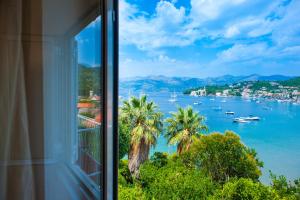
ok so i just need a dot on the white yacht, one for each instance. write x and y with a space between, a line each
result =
198 103
173 98
240 120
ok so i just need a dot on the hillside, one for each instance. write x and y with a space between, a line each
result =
294 82
180 84
88 80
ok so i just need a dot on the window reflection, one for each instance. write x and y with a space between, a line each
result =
89 113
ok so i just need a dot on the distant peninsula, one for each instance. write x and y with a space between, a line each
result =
286 90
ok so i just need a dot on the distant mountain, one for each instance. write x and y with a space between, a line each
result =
179 84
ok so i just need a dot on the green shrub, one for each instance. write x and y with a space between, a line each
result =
88 114
125 177
130 193
159 159
224 156
174 181
244 189
285 189
124 140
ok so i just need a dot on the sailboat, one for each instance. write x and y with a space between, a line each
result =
173 97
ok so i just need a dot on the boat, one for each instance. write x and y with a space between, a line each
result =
229 113
173 98
246 119
240 120
198 103
252 118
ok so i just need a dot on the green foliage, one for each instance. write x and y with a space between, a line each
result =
85 101
174 181
143 120
159 159
144 123
295 82
212 89
130 193
89 79
244 189
125 177
224 156
88 114
254 86
285 189
258 85
124 140
184 127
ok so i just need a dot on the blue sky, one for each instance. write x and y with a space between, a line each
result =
88 41
201 38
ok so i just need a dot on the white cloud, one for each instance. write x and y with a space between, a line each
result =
240 52
232 31
165 28
169 26
283 28
246 27
173 26
203 10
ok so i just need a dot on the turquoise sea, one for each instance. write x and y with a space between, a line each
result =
276 137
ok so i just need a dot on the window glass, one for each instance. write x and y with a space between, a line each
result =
209 99
89 101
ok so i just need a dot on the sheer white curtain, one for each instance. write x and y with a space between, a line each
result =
16 174
38 100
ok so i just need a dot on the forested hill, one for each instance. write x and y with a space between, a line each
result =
88 80
294 82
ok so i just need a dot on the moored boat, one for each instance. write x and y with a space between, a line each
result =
198 103
229 113
240 120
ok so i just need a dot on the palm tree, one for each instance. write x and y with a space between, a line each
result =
184 127
144 122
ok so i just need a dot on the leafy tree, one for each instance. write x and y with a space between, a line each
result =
124 177
174 181
223 156
184 127
285 189
295 82
244 189
130 193
124 140
89 80
159 159
144 122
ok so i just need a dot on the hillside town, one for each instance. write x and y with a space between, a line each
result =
252 90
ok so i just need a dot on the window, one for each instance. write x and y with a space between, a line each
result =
88 147
209 99
58 99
